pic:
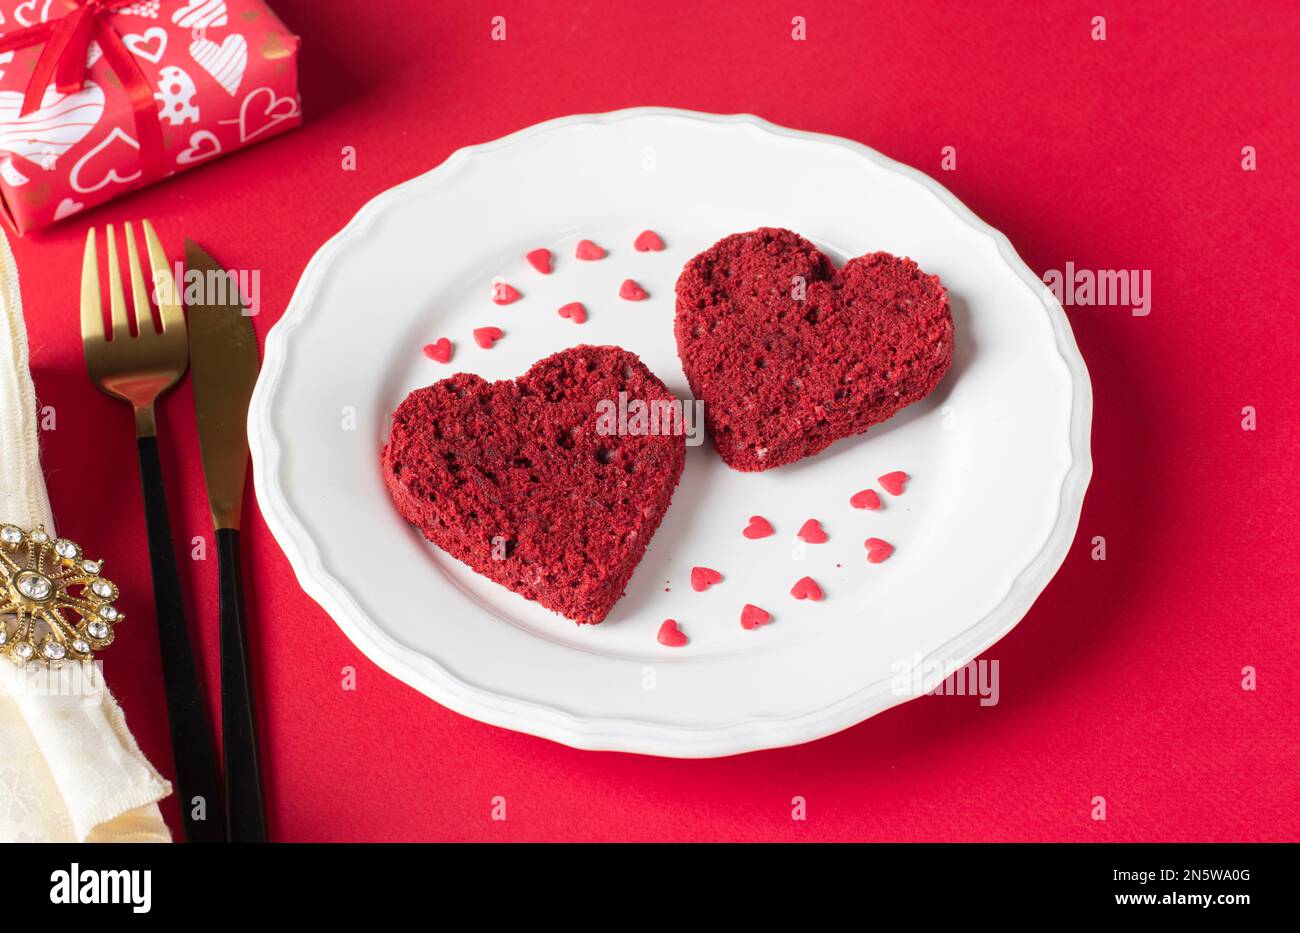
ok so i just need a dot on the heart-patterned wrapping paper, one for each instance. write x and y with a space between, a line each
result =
224 74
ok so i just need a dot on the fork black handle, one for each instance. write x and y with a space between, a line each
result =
197 781
245 810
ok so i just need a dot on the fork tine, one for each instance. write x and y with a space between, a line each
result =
169 307
92 308
139 291
116 298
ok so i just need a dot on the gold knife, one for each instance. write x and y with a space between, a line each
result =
224 366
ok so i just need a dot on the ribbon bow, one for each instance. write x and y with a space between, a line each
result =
64 60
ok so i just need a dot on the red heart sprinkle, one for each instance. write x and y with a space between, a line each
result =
892 483
671 635
867 499
812 533
632 291
485 337
807 588
878 549
439 351
589 250
703 577
648 241
753 617
540 260
574 311
504 294
758 527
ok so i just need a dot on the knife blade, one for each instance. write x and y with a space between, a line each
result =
224 363
223 360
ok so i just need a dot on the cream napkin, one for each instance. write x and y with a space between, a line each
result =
70 771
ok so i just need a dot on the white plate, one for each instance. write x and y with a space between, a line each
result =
999 454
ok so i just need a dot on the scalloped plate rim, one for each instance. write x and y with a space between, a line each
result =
630 735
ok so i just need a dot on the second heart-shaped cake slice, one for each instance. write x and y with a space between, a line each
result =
550 484
790 354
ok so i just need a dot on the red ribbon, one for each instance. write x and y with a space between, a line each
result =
64 59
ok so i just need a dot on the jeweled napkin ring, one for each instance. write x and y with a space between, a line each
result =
54 605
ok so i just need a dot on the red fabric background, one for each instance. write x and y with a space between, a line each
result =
1124 679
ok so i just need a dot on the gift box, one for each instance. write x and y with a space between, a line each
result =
100 97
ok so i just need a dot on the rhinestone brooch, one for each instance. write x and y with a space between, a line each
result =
54 605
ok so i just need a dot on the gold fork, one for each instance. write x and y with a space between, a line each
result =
137 369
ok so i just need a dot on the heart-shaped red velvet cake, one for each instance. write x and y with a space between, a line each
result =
539 483
790 354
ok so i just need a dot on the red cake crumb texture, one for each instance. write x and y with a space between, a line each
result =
878 550
758 527
671 635
703 577
631 291
503 293
439 351
893 483
807 588
574 311
648 242
486 337
540 259
812 533
513 479
785 371
752 617
589 251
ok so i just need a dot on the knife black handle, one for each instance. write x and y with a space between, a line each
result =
245 810
197 781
